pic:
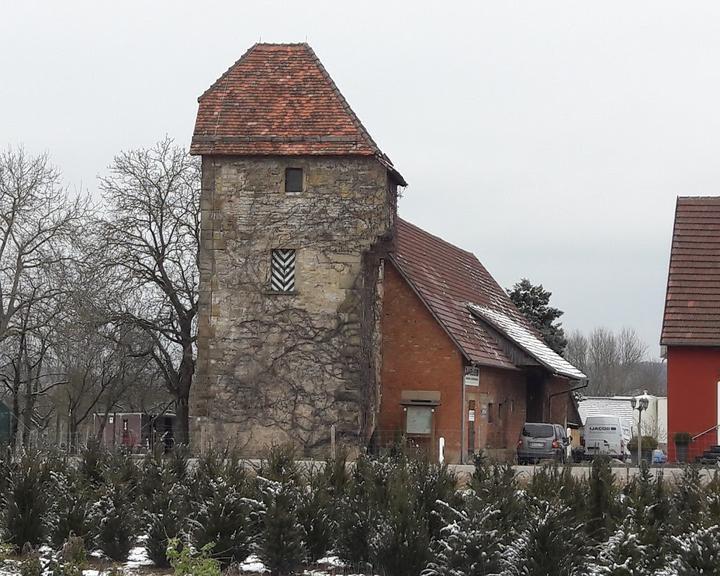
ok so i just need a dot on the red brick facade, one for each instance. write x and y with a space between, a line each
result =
419 359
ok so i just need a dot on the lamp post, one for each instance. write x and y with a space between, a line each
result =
640 403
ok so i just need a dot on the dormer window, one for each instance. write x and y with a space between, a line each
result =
293 180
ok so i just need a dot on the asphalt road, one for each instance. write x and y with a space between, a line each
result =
622 472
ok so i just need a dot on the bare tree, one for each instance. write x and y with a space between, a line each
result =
151 234
616 363
39 221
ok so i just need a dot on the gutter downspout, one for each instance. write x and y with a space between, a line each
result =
551 396
463 448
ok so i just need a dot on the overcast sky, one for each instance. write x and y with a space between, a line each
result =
550 138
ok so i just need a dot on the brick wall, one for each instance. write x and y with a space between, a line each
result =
418 355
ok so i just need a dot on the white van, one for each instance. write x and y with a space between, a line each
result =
604 436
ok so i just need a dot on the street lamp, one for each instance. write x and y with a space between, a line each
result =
640 403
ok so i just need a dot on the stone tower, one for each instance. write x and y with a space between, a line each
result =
298 208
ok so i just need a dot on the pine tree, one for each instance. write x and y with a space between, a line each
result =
116 515
698 552
400 543
601 505
26 499
226 505
534 302
166 508
551 545
282 540
689 501
469 544
622 554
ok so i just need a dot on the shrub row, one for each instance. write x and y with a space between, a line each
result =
397 516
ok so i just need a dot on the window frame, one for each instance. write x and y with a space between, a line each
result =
289 169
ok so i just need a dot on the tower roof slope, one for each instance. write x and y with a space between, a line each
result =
692 302
278 99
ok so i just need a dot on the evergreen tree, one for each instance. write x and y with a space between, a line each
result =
698 552
166 504
282 541
226 505
551 545
400 543
469 543
689 501
622 554
601 505
534 302
26 499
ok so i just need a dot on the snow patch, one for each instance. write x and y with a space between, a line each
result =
253 564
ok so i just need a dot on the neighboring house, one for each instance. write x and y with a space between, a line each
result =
691 324
135 431
320 309
654 419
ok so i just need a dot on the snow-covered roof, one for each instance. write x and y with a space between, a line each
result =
608 405
527 341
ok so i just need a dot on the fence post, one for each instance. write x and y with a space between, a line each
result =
332 441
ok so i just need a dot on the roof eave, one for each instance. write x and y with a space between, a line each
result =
554 371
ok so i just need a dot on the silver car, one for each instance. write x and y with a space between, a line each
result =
542 441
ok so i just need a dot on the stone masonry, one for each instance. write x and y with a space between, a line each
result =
278 367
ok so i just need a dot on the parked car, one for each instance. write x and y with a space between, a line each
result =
604 437
542 441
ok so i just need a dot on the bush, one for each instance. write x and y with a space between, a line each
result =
30 564
26 499
649 443
185 564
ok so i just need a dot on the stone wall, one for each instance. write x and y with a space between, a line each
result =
285 367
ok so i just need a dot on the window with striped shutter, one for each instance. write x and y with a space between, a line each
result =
282 270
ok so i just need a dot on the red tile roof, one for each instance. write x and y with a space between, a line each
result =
447 279
692 303
279 100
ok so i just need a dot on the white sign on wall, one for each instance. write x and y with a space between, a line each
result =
472 376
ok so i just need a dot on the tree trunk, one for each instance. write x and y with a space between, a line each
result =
182 396
27 412
15 419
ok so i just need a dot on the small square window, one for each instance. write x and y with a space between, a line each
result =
293 180
282 270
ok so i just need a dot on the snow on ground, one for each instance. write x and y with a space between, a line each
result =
138 557
253 564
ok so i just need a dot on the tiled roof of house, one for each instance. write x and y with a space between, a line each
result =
692 303
526 339
277 99
448 280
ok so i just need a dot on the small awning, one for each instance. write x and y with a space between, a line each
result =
527 341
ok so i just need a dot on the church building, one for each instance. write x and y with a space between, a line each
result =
321 309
